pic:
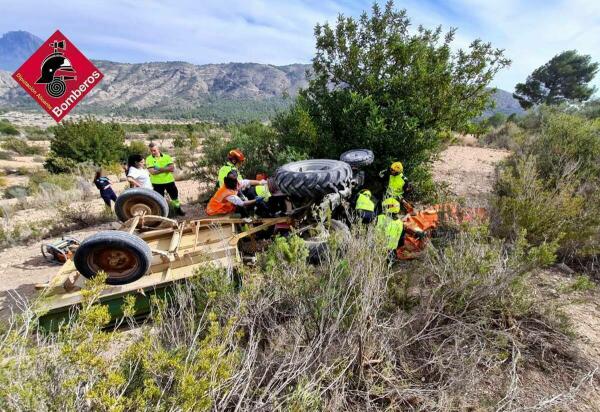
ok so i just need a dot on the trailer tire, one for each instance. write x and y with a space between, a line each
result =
358 157
312 179
136 200
318 248
122 256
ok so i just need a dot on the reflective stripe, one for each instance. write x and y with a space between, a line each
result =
396 185
391 229
224 171
263 191
163 161
218 204
364 202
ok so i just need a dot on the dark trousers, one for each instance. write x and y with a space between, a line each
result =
366 216
107 195
171 189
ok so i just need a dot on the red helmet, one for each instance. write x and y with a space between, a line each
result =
236 156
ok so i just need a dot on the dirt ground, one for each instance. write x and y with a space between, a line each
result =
468 171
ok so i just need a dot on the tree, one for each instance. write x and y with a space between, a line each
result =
377 85
87 140
564 78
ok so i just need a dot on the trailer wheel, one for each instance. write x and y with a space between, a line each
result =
134 201
358 157
123 257
310 179
318 248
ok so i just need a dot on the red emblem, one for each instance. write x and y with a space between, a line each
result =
57 76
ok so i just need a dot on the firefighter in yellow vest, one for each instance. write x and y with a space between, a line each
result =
390 225
235 158
262 190
365 206
396 180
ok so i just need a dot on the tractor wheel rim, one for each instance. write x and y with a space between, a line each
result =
115 262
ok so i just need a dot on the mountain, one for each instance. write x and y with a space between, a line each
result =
16 47
221 92
505 103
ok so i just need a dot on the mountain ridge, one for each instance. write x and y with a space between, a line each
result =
216 91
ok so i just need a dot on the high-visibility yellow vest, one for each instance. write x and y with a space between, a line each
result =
364 202
224 171
163 160
391 229
396 186
263 191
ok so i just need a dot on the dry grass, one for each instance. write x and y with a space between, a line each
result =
458 330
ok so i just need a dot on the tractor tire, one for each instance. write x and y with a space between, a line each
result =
122 256
318 248
358 157
136 200
313 179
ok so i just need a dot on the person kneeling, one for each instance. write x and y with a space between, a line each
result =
227 200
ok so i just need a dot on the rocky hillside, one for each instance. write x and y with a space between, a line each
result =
223 92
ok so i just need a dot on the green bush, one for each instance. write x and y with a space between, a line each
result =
508 136
16 192
378 85
137 147
550 187
87 140
6 155
7 128
263 147
21 147
44 180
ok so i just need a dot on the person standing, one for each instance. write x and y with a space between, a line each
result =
103 184
161 168
137 174
396 180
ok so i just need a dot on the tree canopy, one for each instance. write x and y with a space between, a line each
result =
378 85
565 77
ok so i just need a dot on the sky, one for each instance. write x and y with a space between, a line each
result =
281 32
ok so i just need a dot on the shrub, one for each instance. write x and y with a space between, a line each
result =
550 186
136 147
43 180
16 192
508 136
6 155
7 128
262 145
21 147
85 140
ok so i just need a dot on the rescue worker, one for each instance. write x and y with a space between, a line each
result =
235 158
365 206
396 180
161 168
390 225
262 190
227 200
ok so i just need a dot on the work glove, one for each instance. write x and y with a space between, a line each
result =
262 182
382 173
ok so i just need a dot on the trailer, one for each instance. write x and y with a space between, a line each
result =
145 258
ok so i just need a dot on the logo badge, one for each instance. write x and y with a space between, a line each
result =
57 76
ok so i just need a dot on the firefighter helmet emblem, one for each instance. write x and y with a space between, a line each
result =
56 70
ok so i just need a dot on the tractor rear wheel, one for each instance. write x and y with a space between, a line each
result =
122 256
313 179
